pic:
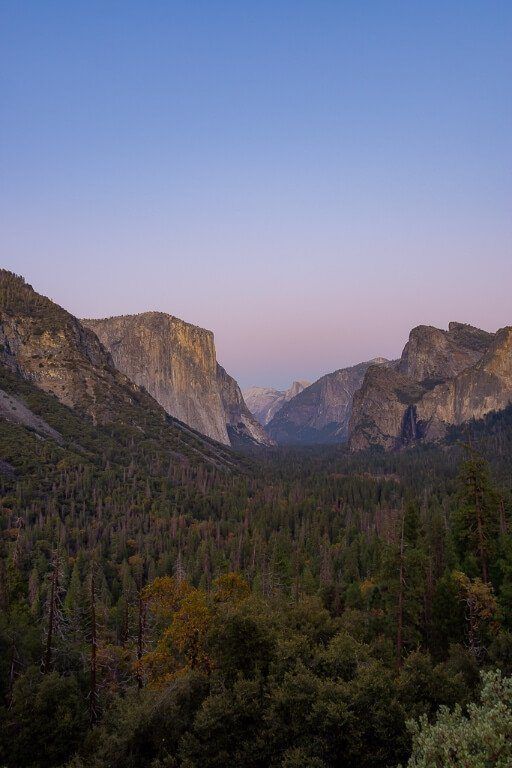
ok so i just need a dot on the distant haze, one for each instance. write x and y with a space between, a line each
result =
307 179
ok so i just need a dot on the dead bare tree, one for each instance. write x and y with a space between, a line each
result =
54 624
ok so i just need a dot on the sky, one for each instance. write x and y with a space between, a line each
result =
308 178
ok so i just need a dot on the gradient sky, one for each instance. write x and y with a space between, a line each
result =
308 179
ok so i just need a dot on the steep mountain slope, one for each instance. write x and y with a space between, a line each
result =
321 412
443 378
176 363
43 344
382 408
15 411
265 402
242 427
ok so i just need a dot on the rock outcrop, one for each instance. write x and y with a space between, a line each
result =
176 363
265 402
432 355
479 389
321 412
443 378
382 408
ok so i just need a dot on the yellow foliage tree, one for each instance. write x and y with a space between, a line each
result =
481 608
183 615
230 588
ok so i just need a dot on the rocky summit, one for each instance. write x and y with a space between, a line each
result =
176 363
443 378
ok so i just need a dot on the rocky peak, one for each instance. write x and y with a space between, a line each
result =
483 387
174 361
261 402
48 346
442 378
433 355
44 345
295 389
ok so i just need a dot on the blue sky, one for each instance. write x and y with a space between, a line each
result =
308 179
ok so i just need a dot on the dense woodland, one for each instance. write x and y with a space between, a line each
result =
295 611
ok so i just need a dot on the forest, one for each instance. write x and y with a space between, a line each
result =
308 608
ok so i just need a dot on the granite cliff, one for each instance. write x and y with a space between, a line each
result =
158 375
442 378
176 363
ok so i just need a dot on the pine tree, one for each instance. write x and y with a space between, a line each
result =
477 517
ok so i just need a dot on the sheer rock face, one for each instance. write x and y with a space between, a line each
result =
442 378
483 387
321 412
265 402
176 363
380 408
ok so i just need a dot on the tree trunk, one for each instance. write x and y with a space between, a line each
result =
93 690
401 584
47 660
140 637
480 534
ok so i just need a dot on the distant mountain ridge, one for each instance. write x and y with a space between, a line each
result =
176 363
443 378
265 402
321 412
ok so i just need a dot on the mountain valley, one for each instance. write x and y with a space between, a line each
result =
177 591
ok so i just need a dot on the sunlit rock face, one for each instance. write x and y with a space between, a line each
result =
176 363
443 378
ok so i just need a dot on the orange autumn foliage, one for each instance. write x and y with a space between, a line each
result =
182 616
